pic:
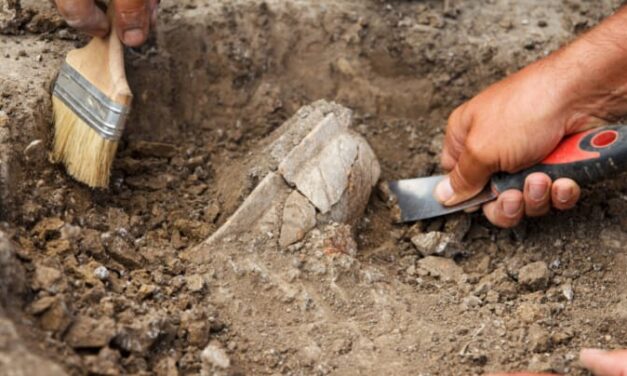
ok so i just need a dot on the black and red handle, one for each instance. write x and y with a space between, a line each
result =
585 157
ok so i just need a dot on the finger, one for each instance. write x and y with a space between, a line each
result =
84 16
455 138
603 363
132 21
537 194
508 209
154 10
468 178
565 193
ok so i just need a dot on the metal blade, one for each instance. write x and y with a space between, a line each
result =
415 199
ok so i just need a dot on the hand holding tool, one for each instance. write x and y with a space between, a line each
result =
585 157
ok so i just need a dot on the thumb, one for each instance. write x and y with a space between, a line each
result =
132 21
469 177
603 363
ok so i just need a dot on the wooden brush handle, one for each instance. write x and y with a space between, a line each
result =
101 62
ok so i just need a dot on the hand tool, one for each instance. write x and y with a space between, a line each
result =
91 101
585 157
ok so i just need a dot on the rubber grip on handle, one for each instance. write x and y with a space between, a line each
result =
585 157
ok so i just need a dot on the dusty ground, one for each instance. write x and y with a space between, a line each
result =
102 290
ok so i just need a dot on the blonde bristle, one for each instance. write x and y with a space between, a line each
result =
87 156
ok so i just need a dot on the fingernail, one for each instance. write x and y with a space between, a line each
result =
444 190
537 190
564 194
133 37
511 208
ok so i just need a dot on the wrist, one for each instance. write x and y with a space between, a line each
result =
590 75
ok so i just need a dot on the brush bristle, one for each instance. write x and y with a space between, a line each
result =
87 156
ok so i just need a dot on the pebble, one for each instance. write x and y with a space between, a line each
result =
567 291
102 273
88 333
194 282
47 278
215 355
534 276
437 243
444 268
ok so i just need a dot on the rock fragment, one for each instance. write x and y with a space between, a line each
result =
122 252
214 355
48 278
299 217
90 333
534 276
437 243
57 318
539 339
443 268
195 283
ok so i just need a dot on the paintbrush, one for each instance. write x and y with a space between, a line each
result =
91 101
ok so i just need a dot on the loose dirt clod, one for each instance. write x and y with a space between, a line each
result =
534 276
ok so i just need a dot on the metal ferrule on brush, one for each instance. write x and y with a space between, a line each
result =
90 104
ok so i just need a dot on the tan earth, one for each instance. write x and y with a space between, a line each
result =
102 282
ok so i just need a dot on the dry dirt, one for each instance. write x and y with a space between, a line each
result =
93 281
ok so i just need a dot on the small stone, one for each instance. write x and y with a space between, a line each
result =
539 339
102 273
534 276
56 318
497 281
471 301
195 283
215 356
42 304
123 253
567 291
299 217
443 268
437 243
530 312
47 278
89 333
146 291
198 334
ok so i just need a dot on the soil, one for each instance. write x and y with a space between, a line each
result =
105 291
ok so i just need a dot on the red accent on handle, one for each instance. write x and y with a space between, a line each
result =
604 139
570 151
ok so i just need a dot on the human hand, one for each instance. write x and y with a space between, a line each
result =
600 363
517 122
133 18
